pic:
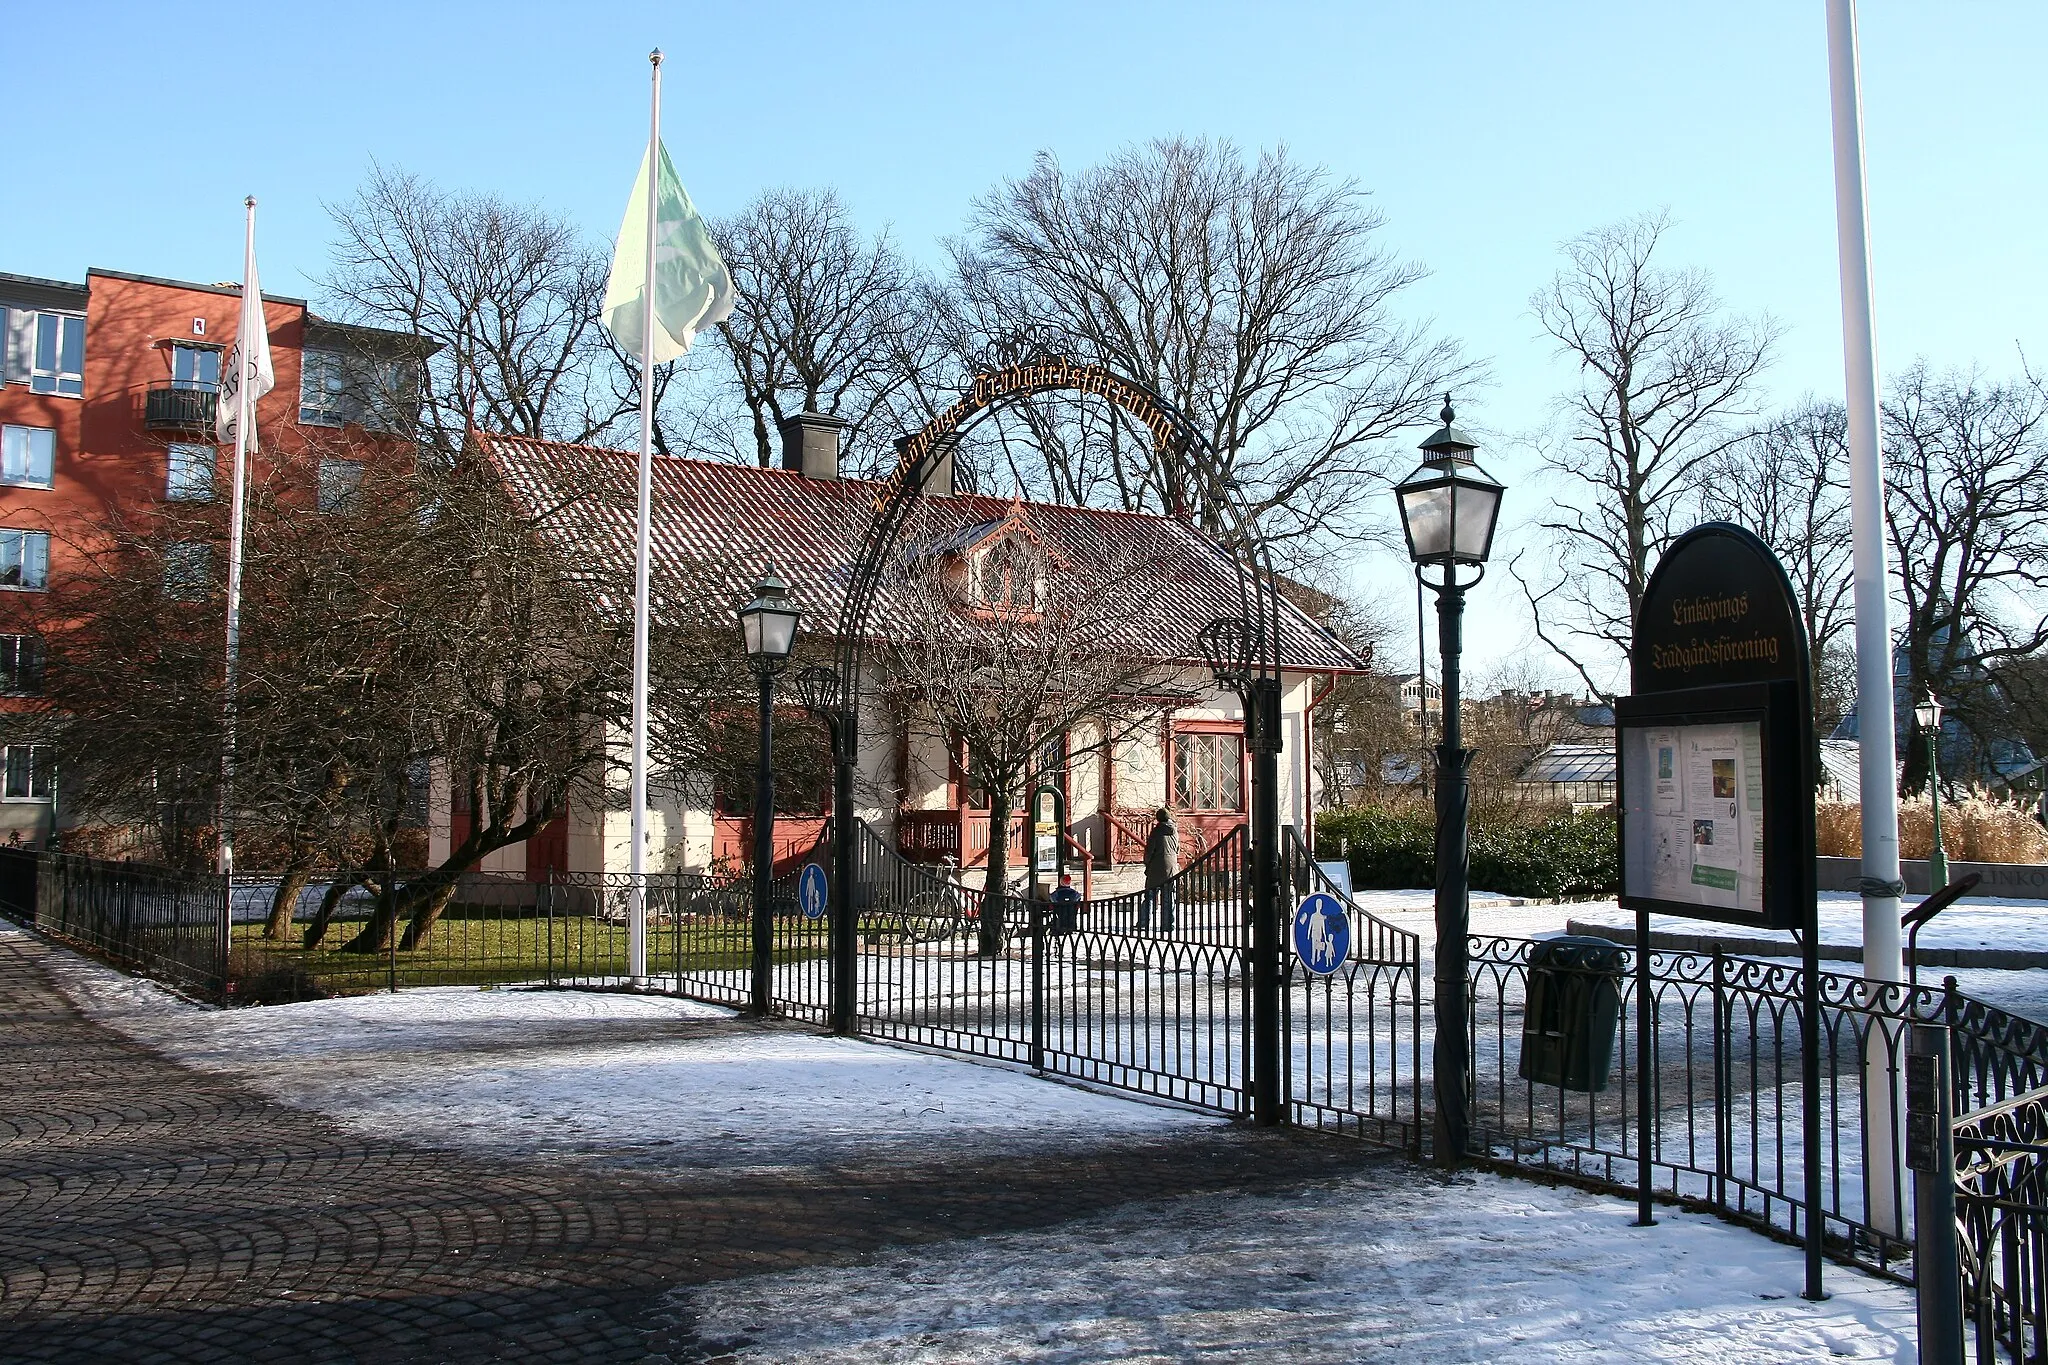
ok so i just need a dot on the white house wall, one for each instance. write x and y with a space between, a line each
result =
878 784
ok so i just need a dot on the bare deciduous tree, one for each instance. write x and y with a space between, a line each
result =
1358 721
137 680
1256 296
1666 385
424 619
1788 483
1009 644
824 321
507 295
1967 508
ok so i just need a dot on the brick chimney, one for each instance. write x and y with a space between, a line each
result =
810 444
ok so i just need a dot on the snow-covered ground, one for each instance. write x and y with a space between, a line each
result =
1977 922
1396 1265
539 1072
1492 913
1478 1269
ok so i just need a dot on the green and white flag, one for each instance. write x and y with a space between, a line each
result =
692 287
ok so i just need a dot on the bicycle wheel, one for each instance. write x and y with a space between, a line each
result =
934 916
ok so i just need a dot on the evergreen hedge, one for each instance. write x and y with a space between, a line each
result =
1559 854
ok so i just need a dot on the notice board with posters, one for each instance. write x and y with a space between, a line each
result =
1715 748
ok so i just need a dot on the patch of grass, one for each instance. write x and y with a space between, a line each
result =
494 948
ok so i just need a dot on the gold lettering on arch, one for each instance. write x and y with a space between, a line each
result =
1037 376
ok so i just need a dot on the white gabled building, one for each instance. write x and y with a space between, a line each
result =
808 519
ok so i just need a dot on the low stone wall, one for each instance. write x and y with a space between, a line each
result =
2018 881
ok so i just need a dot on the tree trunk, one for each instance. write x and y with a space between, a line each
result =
994 901
375 936
426 904
344 882
296 874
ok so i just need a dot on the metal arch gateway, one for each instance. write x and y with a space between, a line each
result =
1243 650
1171 432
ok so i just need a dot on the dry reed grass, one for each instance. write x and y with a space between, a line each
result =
1974 829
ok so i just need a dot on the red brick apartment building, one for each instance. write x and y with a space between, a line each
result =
108 399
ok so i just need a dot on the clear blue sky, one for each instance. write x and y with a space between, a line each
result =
1488 132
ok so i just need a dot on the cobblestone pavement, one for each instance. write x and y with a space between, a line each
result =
152 1213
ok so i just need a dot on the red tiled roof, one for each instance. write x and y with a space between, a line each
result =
719 523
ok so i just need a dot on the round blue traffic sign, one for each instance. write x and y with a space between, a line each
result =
1322 933
810 891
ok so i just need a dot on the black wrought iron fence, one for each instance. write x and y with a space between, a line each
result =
153 921
1162 1009
1159 1010
1727 1101
2002 1223
566 929
921 977
365 933
1354 1051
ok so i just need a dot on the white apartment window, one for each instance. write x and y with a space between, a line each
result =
24 559
31 772
57 360
21 665
186 565
191 474
323 386
28 456
339 480
195 367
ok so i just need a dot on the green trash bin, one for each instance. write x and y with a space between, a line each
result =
1573 1008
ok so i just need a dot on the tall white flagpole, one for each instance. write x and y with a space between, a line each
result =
636 943
243 347
1877 755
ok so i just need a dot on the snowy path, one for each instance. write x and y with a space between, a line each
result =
543 1073
1479 1269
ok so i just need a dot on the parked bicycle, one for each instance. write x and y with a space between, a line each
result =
935 914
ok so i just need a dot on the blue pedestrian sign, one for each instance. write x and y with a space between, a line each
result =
810 891
1322 933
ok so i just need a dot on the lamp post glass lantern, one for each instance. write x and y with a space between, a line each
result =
1449 504
1449 507
768 623
768 627
1928 713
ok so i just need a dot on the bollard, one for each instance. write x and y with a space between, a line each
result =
1931 1156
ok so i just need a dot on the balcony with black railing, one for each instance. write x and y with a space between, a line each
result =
179 409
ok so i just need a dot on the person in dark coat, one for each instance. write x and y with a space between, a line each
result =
1162 861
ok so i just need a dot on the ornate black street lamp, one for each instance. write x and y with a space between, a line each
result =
1928 713
1448 509
768 626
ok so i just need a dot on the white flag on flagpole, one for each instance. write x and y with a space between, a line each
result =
692 287
248 361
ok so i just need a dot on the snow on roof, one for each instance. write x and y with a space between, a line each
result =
716 524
